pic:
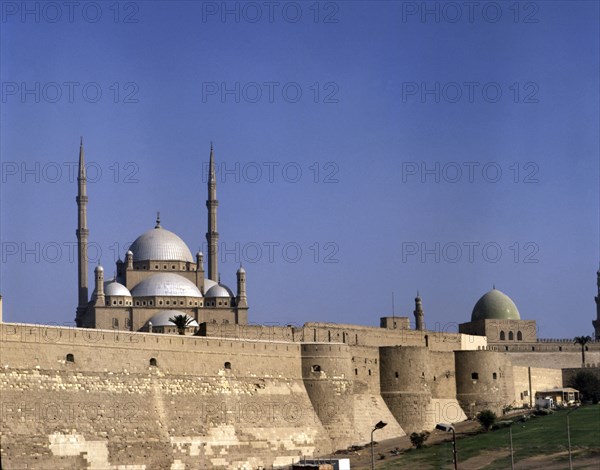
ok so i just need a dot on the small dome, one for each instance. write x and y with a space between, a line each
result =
114 288
162 318
495 305
99 269
219 290
167 284
160 244
241 270
199 254
208 283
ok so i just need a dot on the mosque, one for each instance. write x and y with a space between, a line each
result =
159 278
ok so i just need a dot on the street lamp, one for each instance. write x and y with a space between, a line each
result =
569 437
449 428
379 425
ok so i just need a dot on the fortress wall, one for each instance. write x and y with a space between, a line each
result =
529 380
111 408
132 351
376 337
404 386
365 368
552 359
442 379
327 378
484 379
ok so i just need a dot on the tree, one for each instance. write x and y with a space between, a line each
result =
582 340
486 418
418 439
181 322
588 384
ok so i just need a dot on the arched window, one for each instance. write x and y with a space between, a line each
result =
228 365
355 371
519 336
396 374
475 376
153 362
369 371
494 376
511 336
70 358
426 341
502 336
316 368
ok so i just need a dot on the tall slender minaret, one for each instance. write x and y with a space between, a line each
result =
212 236
596 322
82 236
419 314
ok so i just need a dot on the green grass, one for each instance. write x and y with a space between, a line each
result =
542 435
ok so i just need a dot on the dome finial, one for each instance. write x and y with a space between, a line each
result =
219 278
157 220
494 286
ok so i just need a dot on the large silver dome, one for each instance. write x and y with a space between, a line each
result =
160 244
162 318
114 288
168 284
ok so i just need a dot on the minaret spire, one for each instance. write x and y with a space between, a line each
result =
212 235
82 233
596 322
419 314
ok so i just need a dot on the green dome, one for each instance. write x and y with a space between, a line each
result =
495 305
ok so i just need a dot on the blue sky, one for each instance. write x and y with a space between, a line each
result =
371 148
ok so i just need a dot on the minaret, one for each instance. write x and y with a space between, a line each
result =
596 322
99 290
82 237
212 236
241 300
419 314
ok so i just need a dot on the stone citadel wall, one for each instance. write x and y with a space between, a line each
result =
242 395
208 403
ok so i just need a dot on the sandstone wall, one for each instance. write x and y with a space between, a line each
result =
111 408
529 380
484 379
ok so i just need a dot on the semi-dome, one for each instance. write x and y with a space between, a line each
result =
495 305
115 288
219 290
162 318
166 284
160 244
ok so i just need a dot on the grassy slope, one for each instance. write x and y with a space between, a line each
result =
538 436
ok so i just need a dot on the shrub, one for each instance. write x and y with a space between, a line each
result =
486 418
418 439
588 384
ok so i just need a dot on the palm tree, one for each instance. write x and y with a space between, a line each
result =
583 340
181 322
